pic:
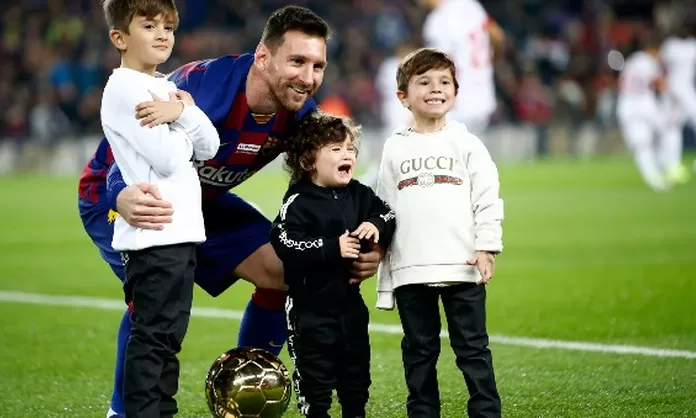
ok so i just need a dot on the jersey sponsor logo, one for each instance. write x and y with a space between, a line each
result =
222 176
248 148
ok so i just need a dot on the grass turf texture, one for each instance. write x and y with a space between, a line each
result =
591 255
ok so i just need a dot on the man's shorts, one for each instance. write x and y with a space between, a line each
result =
234 230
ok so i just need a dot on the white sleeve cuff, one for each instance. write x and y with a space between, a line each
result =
385 301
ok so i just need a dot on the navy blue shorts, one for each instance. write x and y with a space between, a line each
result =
234 230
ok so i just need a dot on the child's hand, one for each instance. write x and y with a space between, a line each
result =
367 230
184 96
159 111
485 262
350 246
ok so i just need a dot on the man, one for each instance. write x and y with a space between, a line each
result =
252 99
463 29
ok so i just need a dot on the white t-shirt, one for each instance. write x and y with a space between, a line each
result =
679 58
162 156
637 97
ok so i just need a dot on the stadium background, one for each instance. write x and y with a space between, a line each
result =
56 57
591 311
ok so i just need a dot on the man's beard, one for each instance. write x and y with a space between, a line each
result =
283 93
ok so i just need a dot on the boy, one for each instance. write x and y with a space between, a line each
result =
443 186
326 220
159 149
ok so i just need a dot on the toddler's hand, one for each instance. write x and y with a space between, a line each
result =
350 246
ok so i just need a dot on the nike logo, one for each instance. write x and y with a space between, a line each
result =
274 345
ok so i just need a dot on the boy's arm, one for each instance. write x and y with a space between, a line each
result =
386 193
485 200
163 148
386 190
291 242
204 136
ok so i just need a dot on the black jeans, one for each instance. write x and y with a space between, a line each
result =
465 311
159 284
330 351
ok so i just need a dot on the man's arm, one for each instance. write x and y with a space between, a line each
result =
291 242
141 205
114 185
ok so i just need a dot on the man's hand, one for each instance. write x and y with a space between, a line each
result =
485 262
159 111
141 205
367 264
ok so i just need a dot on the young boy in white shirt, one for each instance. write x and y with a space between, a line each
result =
443 186
158 149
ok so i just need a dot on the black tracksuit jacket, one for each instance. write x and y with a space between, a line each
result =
305 235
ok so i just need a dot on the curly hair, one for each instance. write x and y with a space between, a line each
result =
314 131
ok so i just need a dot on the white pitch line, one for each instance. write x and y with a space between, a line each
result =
111 304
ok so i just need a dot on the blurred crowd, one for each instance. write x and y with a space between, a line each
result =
56 55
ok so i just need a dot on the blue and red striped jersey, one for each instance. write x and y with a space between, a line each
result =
248 141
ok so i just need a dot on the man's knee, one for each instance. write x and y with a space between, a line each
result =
263 269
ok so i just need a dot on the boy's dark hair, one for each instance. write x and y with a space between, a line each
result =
291 18
420 61
314 131
120 13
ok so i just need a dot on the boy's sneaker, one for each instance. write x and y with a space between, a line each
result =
113 414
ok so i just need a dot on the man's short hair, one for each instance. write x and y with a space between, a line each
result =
120 13
293 18
422 60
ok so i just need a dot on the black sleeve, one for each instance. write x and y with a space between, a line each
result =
290 238
380 214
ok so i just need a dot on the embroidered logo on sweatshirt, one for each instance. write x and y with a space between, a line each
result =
428 179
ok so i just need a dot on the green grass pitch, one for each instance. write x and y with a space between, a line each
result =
591 255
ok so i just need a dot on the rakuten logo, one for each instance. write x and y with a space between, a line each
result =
222 176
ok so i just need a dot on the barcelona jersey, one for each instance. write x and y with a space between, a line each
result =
248 141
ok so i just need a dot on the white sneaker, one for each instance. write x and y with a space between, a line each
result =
112 414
